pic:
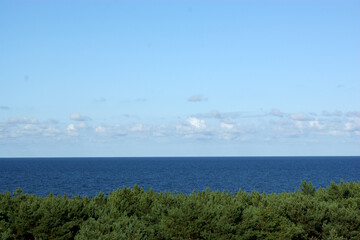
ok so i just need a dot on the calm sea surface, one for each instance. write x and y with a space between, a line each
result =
89 176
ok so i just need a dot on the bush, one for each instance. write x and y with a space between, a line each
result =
325 213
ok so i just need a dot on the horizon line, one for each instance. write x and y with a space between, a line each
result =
252 156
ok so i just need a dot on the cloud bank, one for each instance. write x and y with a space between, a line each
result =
273 125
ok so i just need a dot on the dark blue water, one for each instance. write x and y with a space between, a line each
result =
89 176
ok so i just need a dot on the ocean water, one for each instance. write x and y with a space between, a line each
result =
89 176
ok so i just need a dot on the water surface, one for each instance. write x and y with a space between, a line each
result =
89 176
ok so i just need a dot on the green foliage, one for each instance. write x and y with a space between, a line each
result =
307 188
331 213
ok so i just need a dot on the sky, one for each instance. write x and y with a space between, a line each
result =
179 78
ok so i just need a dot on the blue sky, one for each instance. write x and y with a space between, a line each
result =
179 78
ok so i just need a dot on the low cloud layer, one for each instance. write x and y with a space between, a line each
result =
214 126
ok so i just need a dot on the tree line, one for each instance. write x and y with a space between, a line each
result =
330 213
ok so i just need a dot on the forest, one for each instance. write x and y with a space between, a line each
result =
330 213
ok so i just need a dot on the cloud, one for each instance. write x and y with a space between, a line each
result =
193 128
80 125
2 107
211 126
22 127
336 113
300 117
197 98
140 100
109 131
213 114
73 129
316 125
305 125
21 120
353 125
136 128
226 126
229 115
353 114
100 129
78 117
276 113
337 133
228 131
50 131
196 123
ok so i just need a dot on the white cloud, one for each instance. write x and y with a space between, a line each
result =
100 129
117 131
197 98
51 131
158 134
21 120
229 115
226 126
336 113
196 123
81 125
77 127
78 117
23 127
216 127
194 128
337 133
216 114
71 127
27 129
71 130
353 114
305 125
352 125
136 128
316 124
213 114
276 112
300 117
160 131
109 131
238 132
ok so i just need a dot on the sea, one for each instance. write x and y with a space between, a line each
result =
89 176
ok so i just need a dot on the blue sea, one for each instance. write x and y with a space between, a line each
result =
89 176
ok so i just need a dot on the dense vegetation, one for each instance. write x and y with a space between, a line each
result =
327 213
